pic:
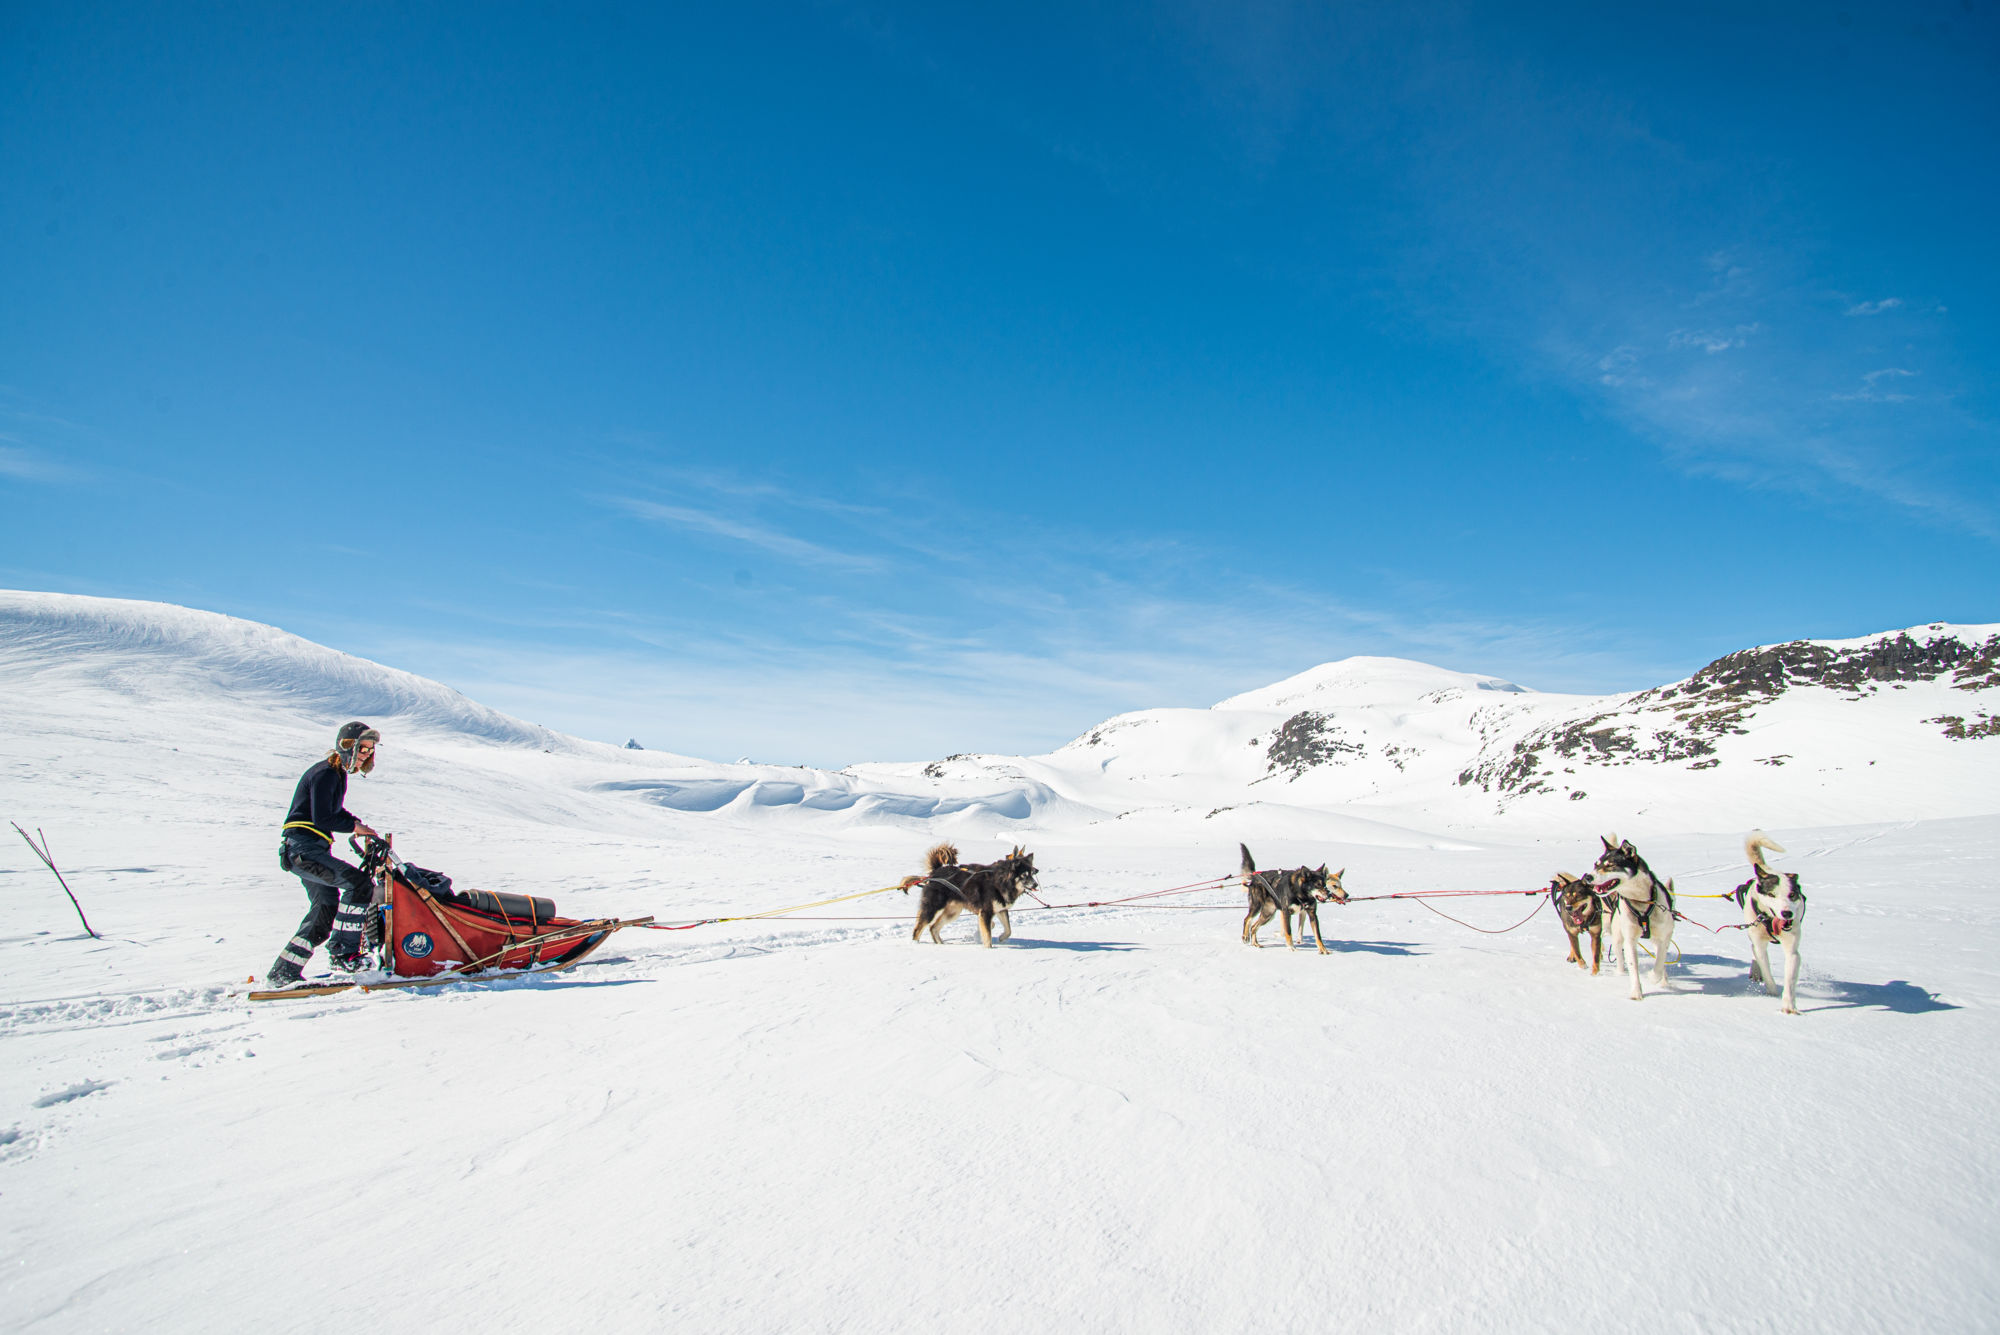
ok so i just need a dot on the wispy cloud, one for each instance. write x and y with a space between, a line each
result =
786 546
1566 232
34 418
26 465
1047 633
1872 391
1792 406
721 482
1710 341
38 446
903 684
1619 369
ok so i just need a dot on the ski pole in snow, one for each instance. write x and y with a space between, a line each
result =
42 852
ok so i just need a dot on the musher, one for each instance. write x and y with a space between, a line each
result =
316 816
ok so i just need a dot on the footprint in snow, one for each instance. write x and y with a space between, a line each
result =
73 1093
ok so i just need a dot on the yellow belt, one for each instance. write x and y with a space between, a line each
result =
308 825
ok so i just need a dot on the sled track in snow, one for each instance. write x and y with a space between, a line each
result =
112 1010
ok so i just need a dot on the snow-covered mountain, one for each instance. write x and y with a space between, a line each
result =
213 696
1897 725
146 653
1901 725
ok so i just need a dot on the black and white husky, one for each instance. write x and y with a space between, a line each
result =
1774 909
1641 907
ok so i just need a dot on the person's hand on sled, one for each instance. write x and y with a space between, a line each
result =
365 832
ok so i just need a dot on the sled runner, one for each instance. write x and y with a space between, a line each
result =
431 934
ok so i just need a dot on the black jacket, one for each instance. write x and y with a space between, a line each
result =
317 801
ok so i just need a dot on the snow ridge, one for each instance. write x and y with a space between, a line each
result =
158 653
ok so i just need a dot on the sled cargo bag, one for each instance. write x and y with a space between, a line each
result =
427 933
533 908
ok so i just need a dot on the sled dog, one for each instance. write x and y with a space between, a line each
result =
1582 912
989 889
1774 909
1281 892
1640 905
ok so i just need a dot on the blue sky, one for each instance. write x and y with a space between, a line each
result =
833 382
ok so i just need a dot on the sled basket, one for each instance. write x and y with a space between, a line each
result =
426 933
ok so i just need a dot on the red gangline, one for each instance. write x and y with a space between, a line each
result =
1490 931
1212 883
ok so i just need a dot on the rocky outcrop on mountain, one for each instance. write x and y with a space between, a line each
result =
1762 673
1684 721
1956 727
1104 731
1632 734
1307 740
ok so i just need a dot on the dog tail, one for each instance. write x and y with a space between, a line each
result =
1754 847
940 857
1249 863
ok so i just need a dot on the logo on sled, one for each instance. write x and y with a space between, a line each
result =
418 944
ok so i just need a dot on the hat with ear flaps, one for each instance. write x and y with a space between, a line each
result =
344 745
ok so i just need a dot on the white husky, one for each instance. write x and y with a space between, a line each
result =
1774 909
1640 905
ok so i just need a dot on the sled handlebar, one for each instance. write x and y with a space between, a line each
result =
366 848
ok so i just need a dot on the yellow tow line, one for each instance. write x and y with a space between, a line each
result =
817 903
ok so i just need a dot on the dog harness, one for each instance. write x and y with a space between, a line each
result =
1626 854
1643 912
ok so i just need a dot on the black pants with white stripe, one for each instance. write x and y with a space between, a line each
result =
339 909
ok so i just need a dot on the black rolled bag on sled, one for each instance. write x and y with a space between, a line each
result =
531 909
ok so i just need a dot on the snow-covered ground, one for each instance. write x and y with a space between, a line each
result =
1122 1120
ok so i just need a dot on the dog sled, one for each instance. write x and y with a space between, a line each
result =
430 934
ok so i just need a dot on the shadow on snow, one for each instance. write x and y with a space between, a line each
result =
1371 948
1896 995
1028 943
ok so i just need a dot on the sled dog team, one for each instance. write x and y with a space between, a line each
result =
1622 895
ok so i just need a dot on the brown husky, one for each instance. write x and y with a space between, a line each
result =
989 889
1301 888
1582 911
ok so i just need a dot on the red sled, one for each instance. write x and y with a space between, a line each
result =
432 934
430 929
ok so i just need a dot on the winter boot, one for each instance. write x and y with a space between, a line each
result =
291 962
